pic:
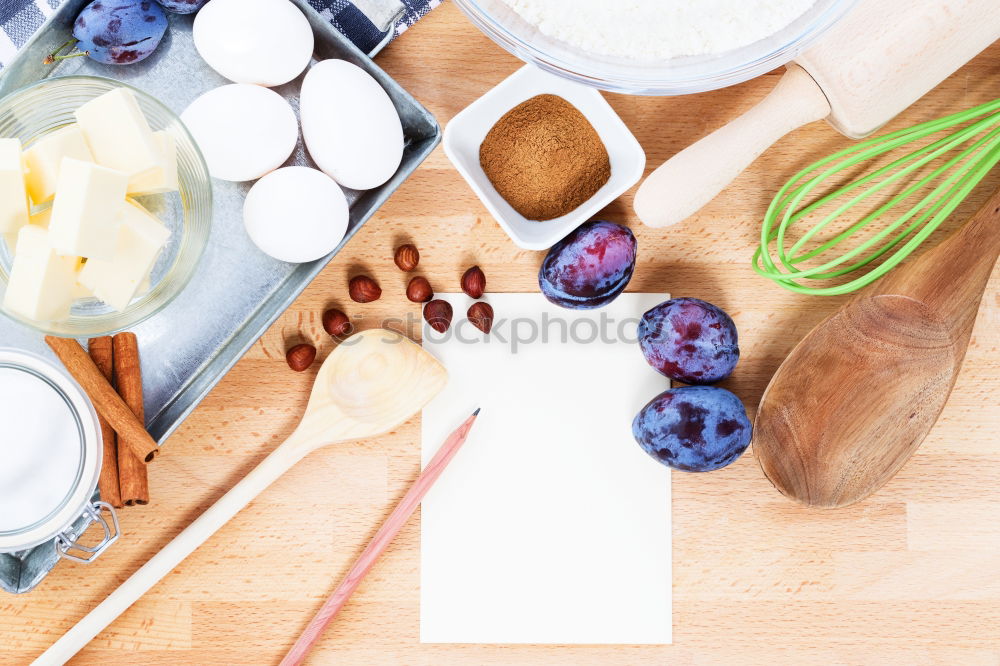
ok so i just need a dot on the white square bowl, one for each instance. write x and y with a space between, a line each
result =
466 131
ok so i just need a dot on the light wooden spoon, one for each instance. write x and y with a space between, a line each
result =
857 396
371 383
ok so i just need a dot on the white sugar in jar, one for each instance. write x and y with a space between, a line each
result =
659 29
50 459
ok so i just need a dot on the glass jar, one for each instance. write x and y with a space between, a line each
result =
43 107
51 449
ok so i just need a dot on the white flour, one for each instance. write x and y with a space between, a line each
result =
659 29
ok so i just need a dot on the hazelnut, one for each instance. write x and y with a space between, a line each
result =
474 282
300 357
481 316
419 290
438 314
336 323
363 289
407 257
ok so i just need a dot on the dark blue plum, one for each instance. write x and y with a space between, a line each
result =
693 428
689 340
182 6
120 32
590 267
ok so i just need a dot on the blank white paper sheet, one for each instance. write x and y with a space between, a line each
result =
551 525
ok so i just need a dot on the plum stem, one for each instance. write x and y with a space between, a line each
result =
52 59
54 56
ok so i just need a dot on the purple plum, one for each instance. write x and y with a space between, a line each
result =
120 32
689 340
590 267
182 6
693 428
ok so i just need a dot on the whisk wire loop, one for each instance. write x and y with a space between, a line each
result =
935 150
956 162
932 199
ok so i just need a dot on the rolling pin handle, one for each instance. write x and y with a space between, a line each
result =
690 179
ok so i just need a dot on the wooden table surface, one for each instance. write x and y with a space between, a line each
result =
911 576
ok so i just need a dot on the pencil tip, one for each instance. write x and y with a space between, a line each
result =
476 413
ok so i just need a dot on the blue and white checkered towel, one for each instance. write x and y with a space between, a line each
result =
350 20
19 19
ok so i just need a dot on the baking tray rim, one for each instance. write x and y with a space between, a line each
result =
183 402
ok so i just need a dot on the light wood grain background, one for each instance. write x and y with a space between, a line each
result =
911 576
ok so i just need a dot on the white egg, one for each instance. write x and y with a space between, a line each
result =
349 124
244 131
266 42
296 214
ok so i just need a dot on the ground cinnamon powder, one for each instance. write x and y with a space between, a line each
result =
544 158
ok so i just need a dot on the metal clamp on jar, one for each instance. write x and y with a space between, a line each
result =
50 448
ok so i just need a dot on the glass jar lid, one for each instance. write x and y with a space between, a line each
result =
49 448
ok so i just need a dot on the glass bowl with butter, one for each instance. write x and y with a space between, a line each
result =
119 206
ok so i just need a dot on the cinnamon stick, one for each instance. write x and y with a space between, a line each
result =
128 381
100 351
132 433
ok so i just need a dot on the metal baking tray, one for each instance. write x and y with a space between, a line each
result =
236 292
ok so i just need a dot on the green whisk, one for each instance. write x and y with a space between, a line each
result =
933 179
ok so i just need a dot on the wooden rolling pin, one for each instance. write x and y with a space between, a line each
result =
879 59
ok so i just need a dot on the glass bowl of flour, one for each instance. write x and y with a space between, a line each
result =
655 47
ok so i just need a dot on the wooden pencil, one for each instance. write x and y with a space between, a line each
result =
390 528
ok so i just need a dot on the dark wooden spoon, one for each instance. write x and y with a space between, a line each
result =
857 396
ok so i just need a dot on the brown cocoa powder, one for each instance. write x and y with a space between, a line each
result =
544 158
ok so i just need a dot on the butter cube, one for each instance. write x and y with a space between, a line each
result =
41 282
45 156
164 177
13 195
79 290
140 239
38 219
117 133
87 210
